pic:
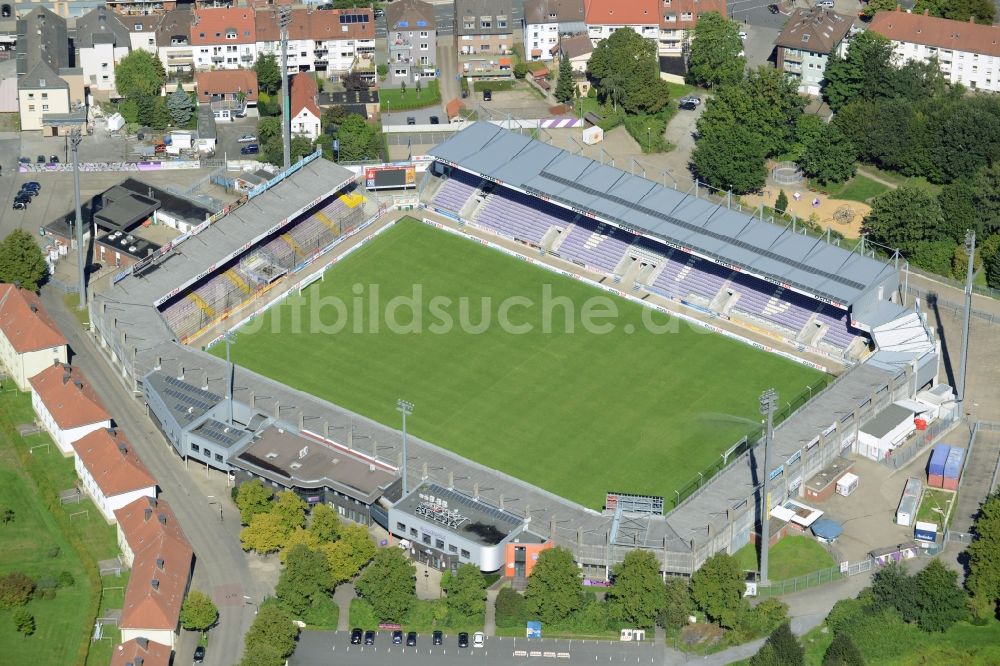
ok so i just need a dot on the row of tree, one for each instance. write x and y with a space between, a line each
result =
139 78
271 638
22 261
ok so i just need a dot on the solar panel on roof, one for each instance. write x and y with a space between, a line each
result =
421 24
404 24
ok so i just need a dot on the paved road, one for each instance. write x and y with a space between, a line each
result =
447 62
221 568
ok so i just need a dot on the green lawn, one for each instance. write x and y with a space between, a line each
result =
577 413
937 506
45 540
899 179
791 557
860 189
394 99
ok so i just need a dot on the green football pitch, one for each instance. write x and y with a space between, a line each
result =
577 405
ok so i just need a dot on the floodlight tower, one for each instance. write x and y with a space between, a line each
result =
970 250
405 408
768 405
284 19
74 139
229 337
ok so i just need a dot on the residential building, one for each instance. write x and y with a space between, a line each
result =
49 87
142 31
578 49
227 91
63 8
223 38
336 41
484 27
139 8
110 471
545 21
412 41
141 652
966 53
102 40
362 102
605 16
30 342
806 43
173 42
161 559
66 405
677 21
304 114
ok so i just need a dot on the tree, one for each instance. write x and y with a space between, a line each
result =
253 498
15 589
402 87
268 73
139 74
716 49
892 587
781 202
904 217
990 251
627 72
829 157
565 86
940 601
511 609
24 622
388 584
767 104
180 106
875 6
466 591
637 596
982 11
324 524
272 632
983 581
866 72
731 158
958 210
359 140
553 593
985 188
153 112
416 87
843 652
520 70
677 603
298 536
304 580
262 655
717 587
198 612
965 138
353 550
290 509
265 534
21 260
784 649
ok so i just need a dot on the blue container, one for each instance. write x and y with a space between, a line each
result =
953 466
939 456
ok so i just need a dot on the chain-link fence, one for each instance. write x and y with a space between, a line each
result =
814 579
902 456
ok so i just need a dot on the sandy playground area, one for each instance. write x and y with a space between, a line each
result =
840 215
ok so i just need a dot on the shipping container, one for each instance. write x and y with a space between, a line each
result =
935 468
949 484
907 510
913 487
953 465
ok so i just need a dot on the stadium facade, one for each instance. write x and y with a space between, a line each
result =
139 324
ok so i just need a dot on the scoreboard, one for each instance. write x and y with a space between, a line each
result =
390 177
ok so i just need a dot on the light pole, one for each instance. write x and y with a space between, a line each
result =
284 19
768 404
212 497
405 408
970 250
74 139
229 337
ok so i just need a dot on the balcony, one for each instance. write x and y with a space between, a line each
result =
218 58
246 57
400 44
791 55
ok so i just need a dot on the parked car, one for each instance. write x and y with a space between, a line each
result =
411 639
19 205
247 138
743 35
369 637
250 149
774 9
487 95
27 194
356 636
54 159
463 640
689 103
40 159
25 160
410 120
437 638
478 639
397 637
31 184
160 148
435 120
379 13
824 4
199 654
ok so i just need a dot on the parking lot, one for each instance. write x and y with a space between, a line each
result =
228 133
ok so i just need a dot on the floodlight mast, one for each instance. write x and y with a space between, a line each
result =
970 251
405 408
284 19
768 405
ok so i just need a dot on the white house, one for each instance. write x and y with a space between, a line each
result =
102 40
223 38
66 405
161 559
142 32
545 21
305 113
111 472
173 41
338 40
605 16
29 340
967 53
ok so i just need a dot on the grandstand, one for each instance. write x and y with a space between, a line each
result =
656 240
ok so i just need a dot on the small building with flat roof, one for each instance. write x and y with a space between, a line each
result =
445 528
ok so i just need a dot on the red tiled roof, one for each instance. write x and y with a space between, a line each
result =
68 396
901 26
314 24
161 568
616 12
211 25
303 94
151 652
113 463
693 7
227 82
25 323
454 106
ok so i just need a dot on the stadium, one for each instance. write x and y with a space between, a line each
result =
584 442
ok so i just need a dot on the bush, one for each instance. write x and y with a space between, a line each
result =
592 92
15 589
593 618
843 652
66 579
845 613
648 132
933 256
762 619
520 70
53 552
781 203
510 609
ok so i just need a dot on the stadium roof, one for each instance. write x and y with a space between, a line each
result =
722 234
